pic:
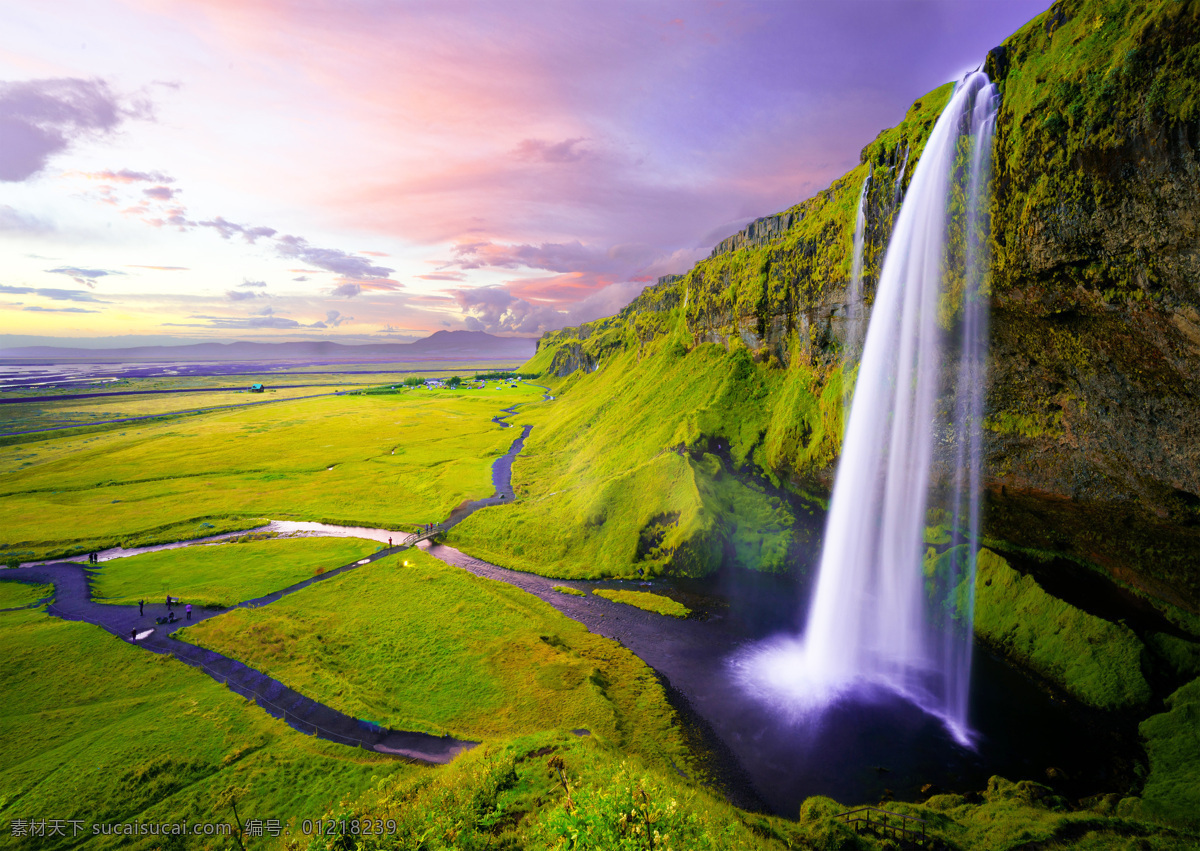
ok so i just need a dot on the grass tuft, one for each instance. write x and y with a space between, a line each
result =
645 600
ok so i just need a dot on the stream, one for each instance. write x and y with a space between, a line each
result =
866 748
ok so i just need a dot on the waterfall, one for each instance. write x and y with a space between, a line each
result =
854 296
896 188
876 619
968 416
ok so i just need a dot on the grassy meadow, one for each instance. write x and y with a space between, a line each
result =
16 594
394 460
223 574
81 412
645 600
1172 790
433 648
95 729
617 475
340 377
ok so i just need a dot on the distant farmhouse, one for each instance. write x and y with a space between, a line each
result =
257 388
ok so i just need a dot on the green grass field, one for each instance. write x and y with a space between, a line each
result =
223 574
397 459
14 594
81 412
434 648
645 600
92 728
615 476
343 376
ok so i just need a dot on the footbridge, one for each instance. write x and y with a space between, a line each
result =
424 535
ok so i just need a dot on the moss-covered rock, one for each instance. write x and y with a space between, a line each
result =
1094 421
1172 791
1096 661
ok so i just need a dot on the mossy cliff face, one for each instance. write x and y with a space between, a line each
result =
1093 402
1094 399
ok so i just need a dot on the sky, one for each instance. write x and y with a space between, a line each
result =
371 171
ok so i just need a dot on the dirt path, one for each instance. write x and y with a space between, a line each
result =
73 601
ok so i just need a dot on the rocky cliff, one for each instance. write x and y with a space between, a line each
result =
1093 398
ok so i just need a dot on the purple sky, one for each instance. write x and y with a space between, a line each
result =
380 170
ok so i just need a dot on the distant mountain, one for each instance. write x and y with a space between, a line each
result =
442 344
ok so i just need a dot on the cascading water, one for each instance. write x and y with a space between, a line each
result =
855 315
877 619
899 185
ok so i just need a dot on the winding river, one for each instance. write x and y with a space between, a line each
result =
859 750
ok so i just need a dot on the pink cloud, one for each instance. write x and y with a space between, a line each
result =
125 176
348 287
579 148
539 150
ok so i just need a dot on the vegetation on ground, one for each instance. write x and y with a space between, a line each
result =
189 530
1181 656
650 465
645 600
558 791
1096 661
1172 789
225 573
434 648
14 594
81 412
391 461
555 790
95 729
567 589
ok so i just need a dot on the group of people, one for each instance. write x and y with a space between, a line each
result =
170 618
93 558
170 611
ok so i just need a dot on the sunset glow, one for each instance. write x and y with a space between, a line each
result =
376 171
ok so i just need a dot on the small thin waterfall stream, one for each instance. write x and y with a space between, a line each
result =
855 314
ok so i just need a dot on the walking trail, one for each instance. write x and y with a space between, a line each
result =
72 600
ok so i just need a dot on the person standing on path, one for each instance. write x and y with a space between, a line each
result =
168 602
133 635
189 611
141 603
